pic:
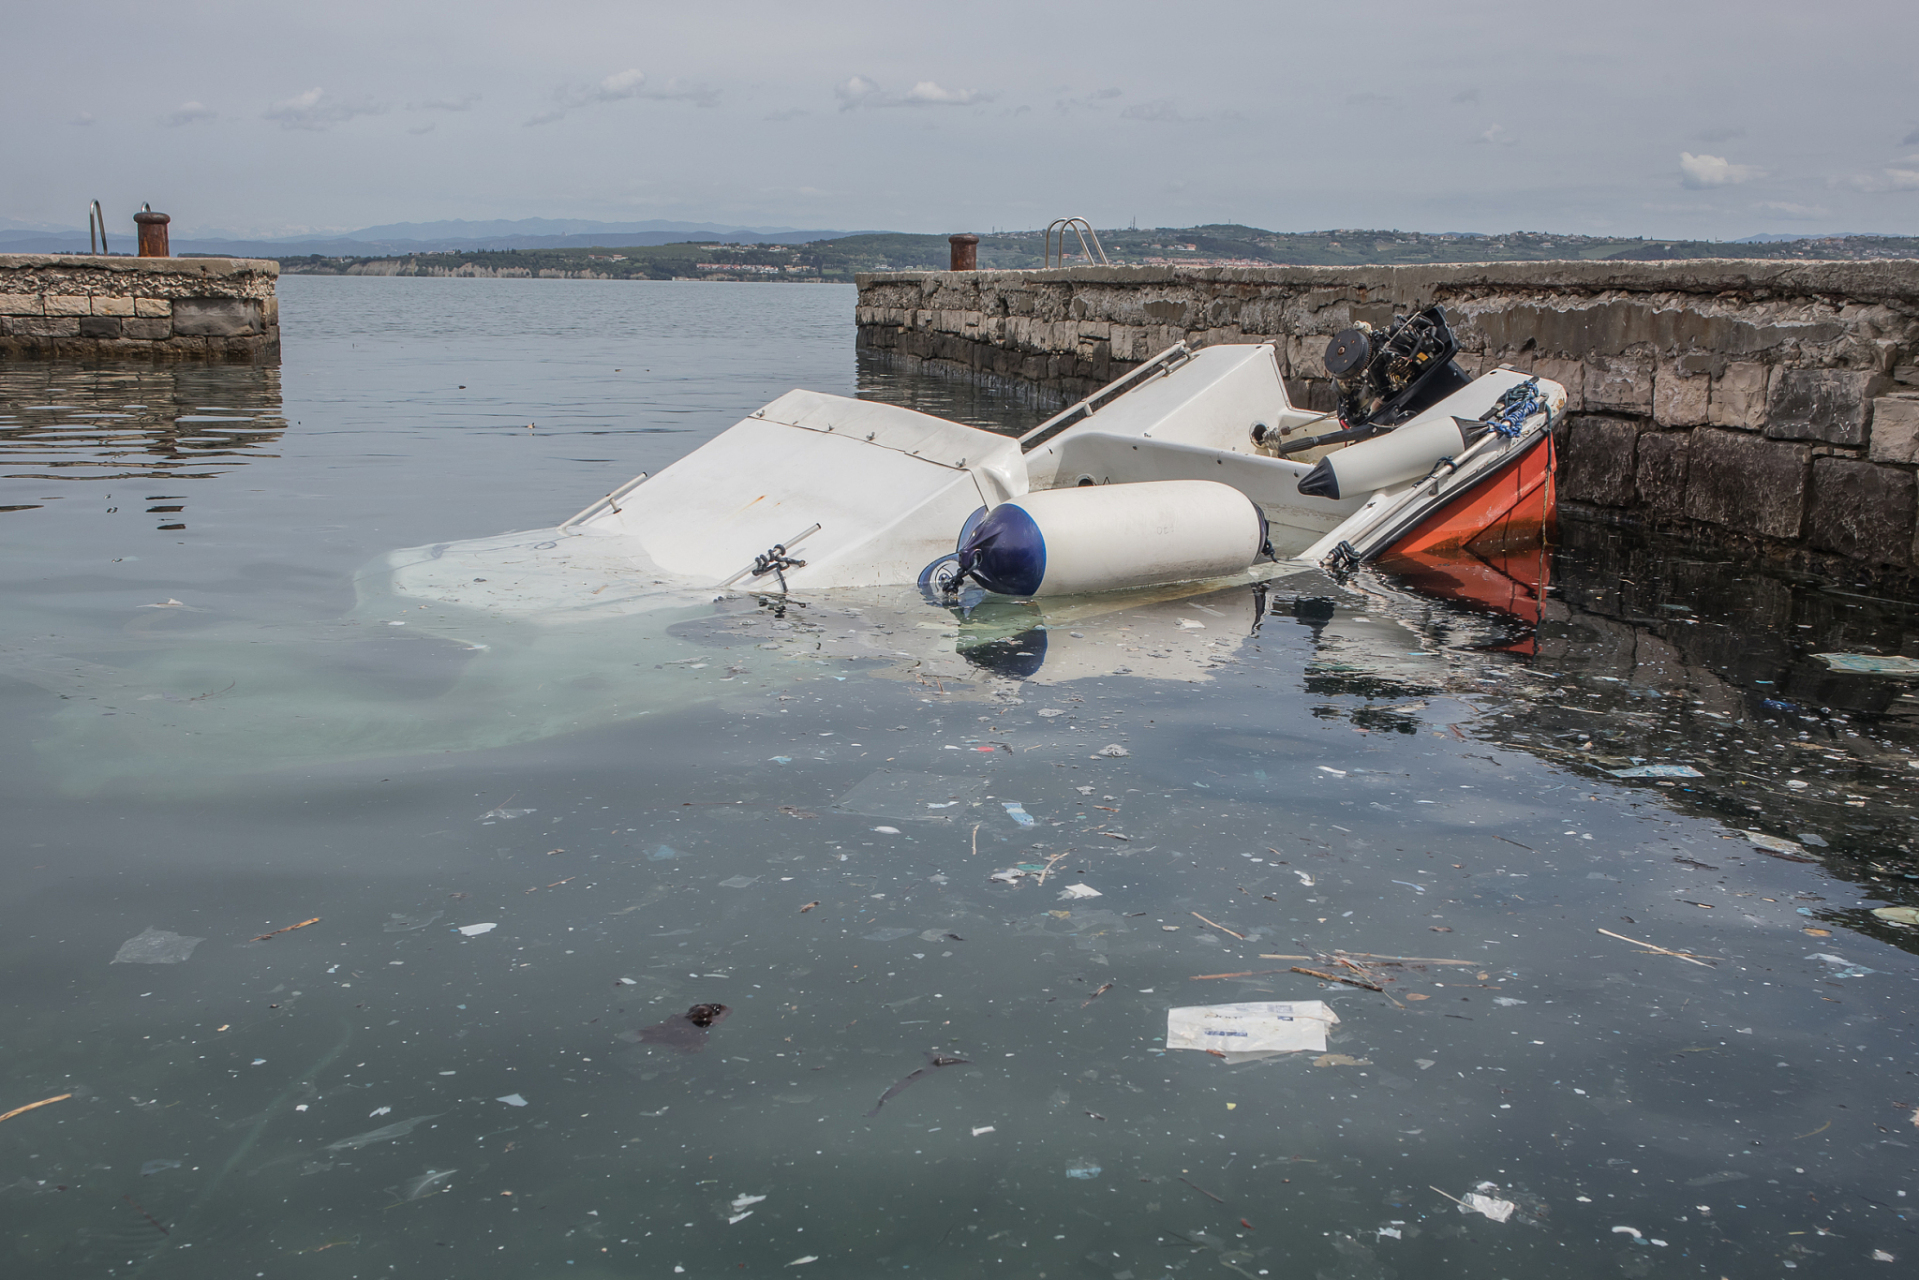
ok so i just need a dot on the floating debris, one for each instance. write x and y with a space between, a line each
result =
386 1133
1657 771
1870 664
1262 1028
58 1097
433 1180
155 946
475 930
934 1061
288 929
685 1032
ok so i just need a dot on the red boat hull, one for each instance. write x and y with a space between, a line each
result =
1511 509
1489 545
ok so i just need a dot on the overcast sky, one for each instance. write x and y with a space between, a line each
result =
1654 117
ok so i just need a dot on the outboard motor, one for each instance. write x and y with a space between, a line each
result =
1384 379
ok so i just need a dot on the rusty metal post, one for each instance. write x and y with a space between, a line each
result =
965 252
153 233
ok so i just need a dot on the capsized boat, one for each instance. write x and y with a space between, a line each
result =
1194 467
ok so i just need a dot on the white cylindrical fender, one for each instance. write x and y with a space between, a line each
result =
1394 458
1109 537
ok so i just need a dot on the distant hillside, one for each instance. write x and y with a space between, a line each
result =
841 257
428 237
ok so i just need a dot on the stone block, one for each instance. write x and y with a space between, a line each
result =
1861 511
1679 401
1598 462
216 317
1661 471
68 304
1833 405
1570 374
1619 383
20 304
1895 428
1738 397
44 326
1747 484
150 330
100 326
105 306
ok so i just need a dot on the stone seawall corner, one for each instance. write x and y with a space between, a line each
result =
72 306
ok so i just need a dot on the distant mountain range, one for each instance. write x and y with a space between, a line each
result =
457 235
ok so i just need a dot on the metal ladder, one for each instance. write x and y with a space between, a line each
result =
1081 228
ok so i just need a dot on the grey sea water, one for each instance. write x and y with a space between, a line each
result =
352 948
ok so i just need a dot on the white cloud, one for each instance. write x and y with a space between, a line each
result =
858 91
1883 180
462 103
1787 210
927 93
84 118
189 113
853 91
619 87
1714 171
314 109
1499 136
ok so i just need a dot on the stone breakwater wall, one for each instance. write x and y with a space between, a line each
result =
1770 405
70 306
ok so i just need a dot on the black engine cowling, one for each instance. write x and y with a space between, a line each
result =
1386 378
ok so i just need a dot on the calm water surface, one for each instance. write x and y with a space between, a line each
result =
794 808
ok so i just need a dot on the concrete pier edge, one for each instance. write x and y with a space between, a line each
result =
72 306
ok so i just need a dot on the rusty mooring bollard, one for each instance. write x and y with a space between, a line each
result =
153 233
965 252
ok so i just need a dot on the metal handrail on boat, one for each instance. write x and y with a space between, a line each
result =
1165 362
97 219
611 502
1081 228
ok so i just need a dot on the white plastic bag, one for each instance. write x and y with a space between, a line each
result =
1276 1026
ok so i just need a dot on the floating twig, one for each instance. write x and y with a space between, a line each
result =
809 906
1661 950
1097 994
289 929
1336 977
58 1097
1248 973
1455 1199
1203 1191
149 1217
1048 870
1222 928
1367 955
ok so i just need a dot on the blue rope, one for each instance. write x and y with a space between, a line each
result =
1508 416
